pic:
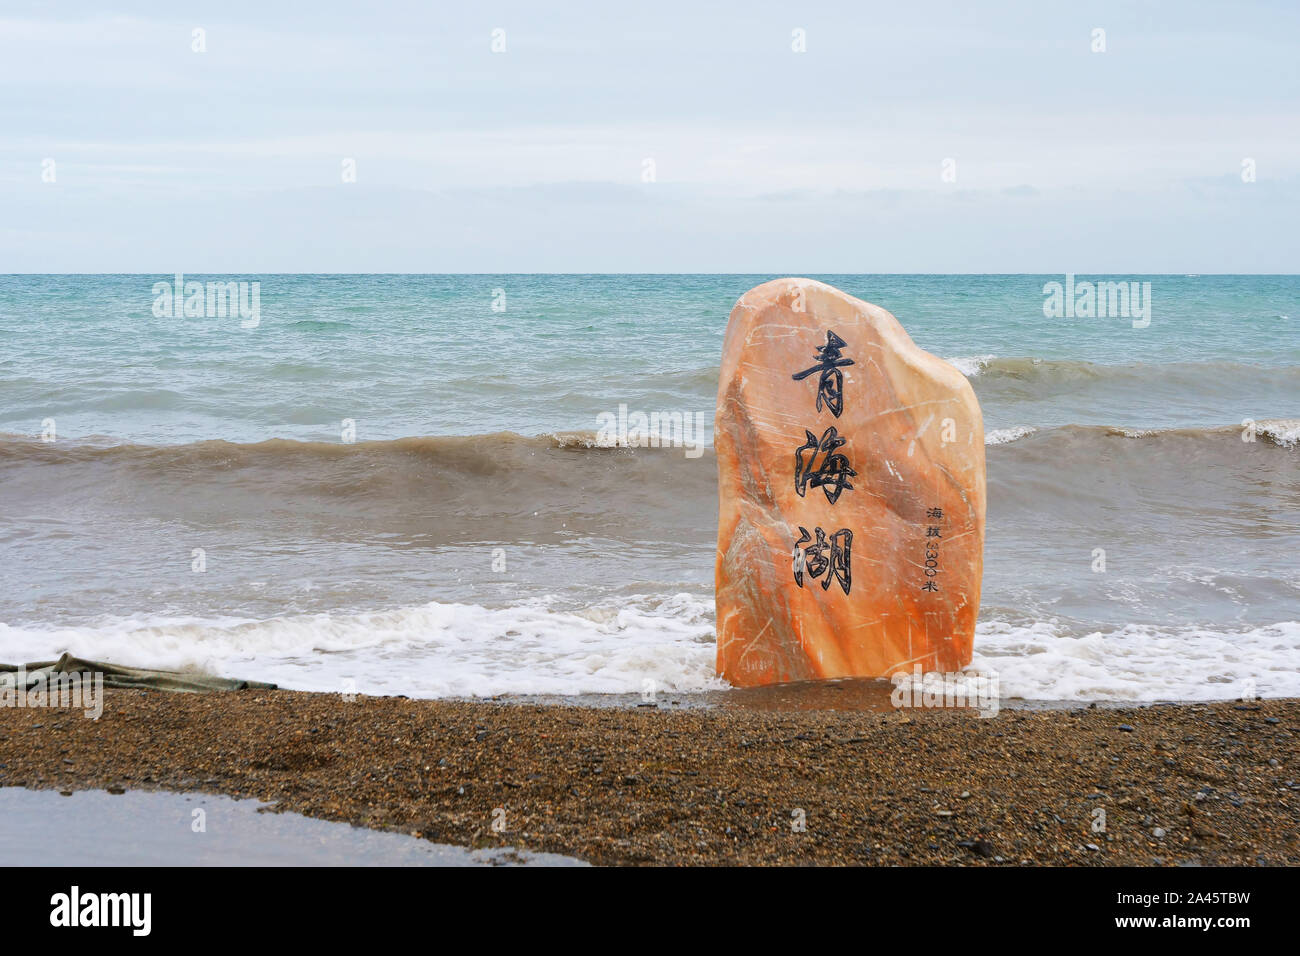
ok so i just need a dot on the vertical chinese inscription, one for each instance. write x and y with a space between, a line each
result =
932 539
819 463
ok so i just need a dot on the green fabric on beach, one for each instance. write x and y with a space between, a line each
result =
133 678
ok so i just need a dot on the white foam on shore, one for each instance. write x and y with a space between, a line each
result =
464 650
436 650
1140 662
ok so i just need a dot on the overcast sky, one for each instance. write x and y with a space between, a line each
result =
764 159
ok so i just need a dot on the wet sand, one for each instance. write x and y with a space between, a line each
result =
843 694
735 784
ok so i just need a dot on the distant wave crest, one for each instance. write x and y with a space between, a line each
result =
1041 370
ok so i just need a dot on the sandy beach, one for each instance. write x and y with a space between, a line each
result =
713 785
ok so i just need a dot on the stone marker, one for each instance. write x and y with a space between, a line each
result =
851 494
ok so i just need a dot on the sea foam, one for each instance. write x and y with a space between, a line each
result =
971 365
434 650
663 643
1004 436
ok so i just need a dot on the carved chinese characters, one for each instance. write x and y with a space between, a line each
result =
849 461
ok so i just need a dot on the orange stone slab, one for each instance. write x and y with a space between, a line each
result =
851 494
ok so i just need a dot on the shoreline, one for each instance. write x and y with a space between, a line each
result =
872 695
1202 783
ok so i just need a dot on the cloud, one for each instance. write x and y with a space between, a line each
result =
757 150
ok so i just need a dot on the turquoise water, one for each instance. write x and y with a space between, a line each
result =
201 505
410 355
